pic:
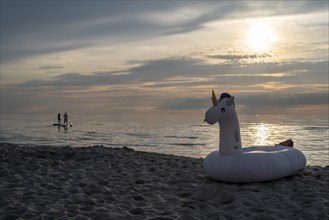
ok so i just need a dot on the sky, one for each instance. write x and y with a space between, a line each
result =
163 57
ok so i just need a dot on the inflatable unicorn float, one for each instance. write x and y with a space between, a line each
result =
235 164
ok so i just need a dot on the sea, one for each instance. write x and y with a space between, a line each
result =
184 135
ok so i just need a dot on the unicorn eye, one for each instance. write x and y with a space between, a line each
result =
222 110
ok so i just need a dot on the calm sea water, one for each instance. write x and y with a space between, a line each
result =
179 135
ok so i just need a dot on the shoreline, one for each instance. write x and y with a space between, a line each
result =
121 183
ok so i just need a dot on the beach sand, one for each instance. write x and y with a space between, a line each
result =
120 183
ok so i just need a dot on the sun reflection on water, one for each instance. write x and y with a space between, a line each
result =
261 134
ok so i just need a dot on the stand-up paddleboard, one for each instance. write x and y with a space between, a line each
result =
60 125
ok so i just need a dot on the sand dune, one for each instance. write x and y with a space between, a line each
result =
120 183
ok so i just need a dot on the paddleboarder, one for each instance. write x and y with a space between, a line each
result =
59 118
65 118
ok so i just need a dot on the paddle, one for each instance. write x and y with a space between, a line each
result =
70 124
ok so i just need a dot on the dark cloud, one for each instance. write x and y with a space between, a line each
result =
284 100
19 49
163 71
159 70
175 72
51 66
149 71
238 57
253 102
30 28
185 104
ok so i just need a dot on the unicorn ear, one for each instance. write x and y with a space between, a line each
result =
230 100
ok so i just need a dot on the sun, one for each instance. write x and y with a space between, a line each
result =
261 37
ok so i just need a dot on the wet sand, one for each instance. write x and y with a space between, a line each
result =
120 183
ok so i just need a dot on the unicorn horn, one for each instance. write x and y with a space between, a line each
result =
214 99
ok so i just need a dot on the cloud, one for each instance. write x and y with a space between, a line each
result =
180 71
34 28
233 57
185 104
20 49
284 100
254 103
51 66
174 83
148 71
280 103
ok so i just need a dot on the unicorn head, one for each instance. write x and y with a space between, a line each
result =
223 111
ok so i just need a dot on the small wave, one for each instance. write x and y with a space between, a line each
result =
137 135
91 133
86 138
141 145
316 128
200 125
187 144
181 137
97 124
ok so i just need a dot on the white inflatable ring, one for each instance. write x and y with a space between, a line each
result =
254 164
